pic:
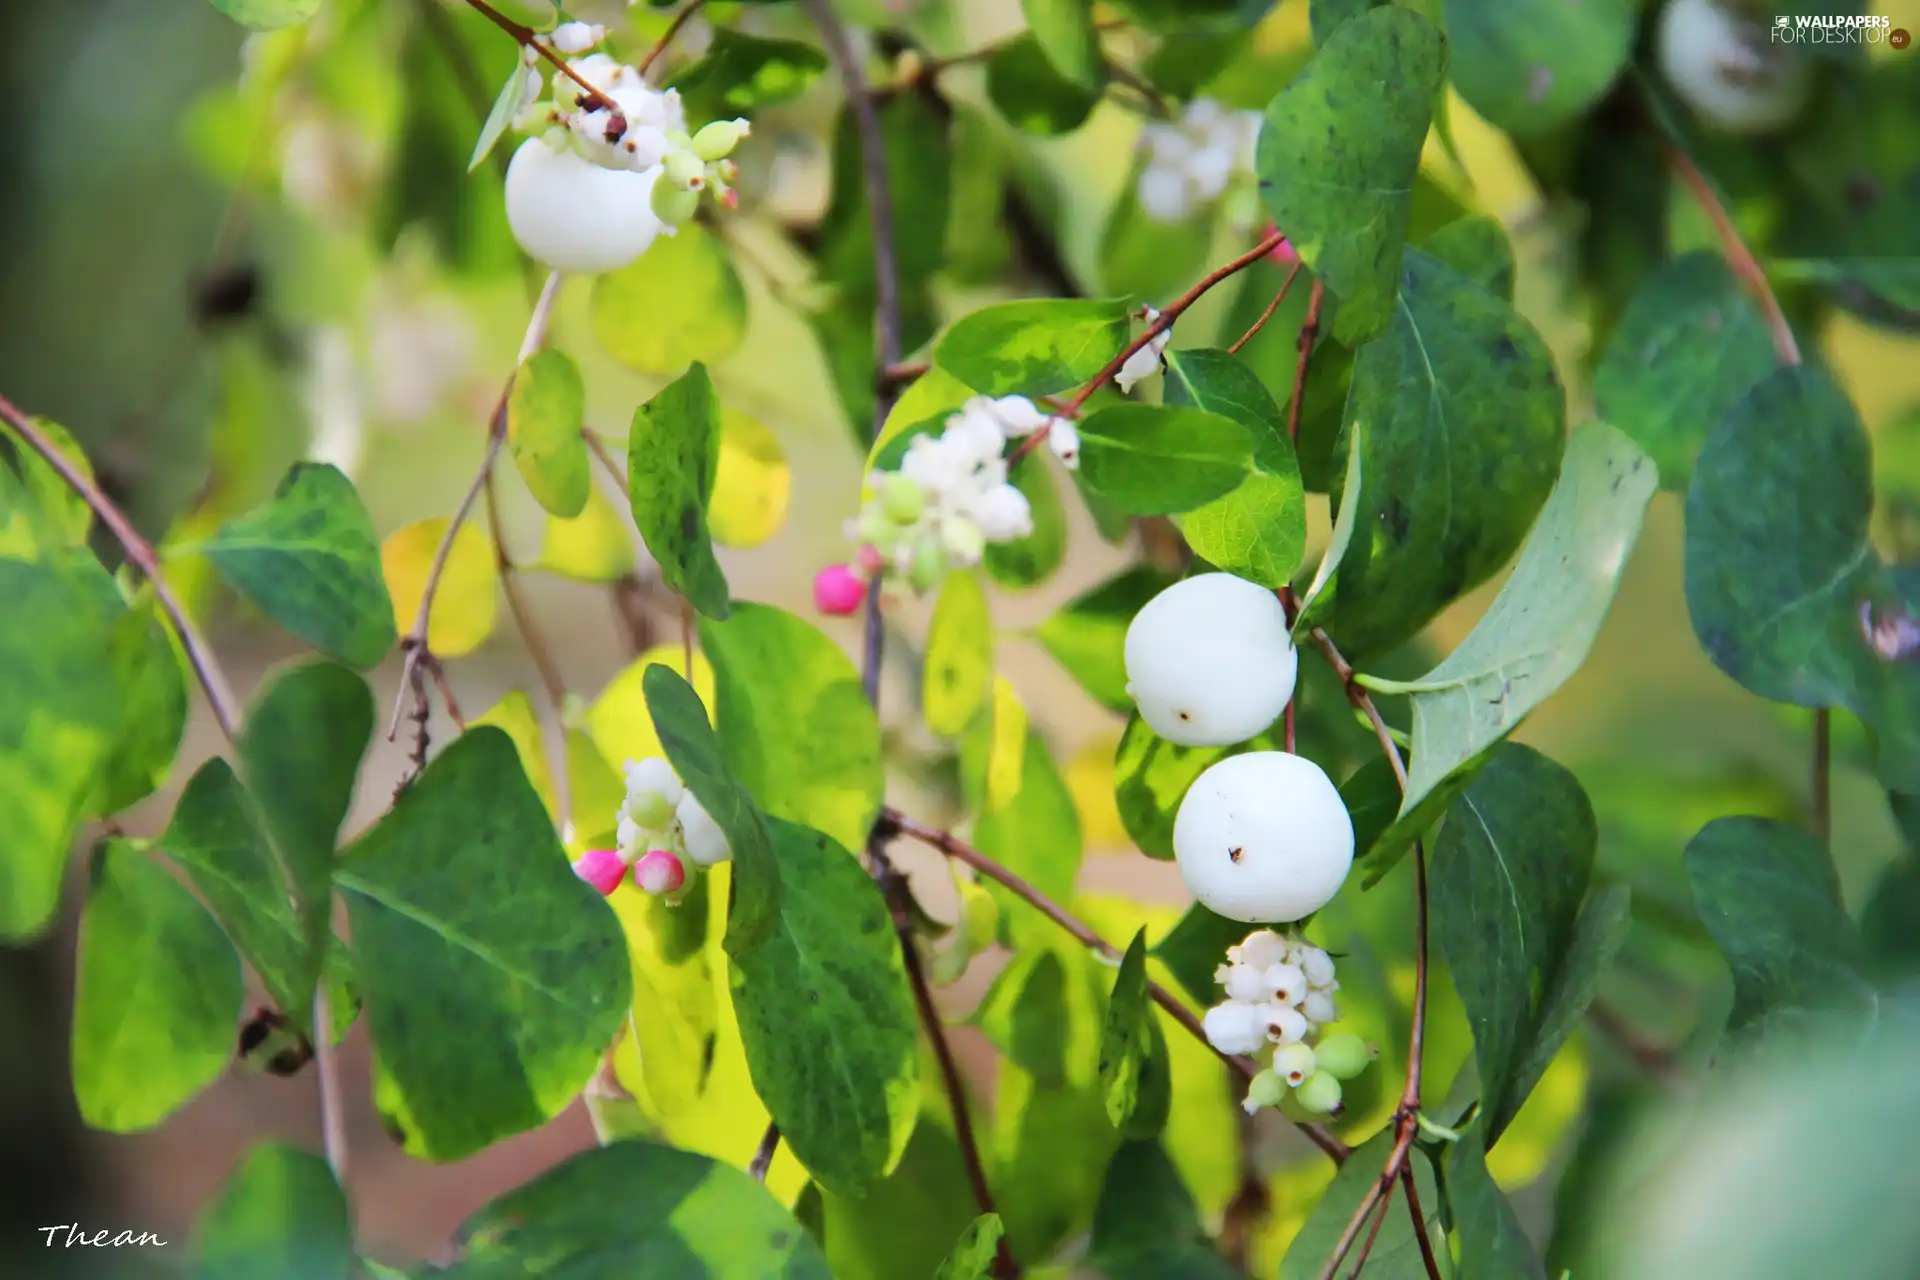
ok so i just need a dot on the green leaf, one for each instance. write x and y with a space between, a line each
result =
153 692
1146 1225
1338 154
1151 777
1259 530
1135 1076
1490 1238
300 750
217 835
915 128
1023 1011
904 1222
972 1256
516 95
1537 631
1064 30
797 729
1395 1254
282 1214
958 673
268 15
672 456
1690 345
1476 247
742 73
1342 537
1193 947
545 413
679 303
1035 347
1030 561
309 559
159 993
676 1013
1372 797
637 1208
1154 460
1459 402
1028 90
1088 634
1034 831
52 515
1509 876
1528 67
1769 895
696 755
494 978
826 1017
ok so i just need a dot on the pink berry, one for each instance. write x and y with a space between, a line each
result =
601 868
659 872
1283 253
870 559
838 591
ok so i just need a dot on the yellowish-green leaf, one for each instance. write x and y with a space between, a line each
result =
751 485
545 413
676 1008
596 546
514 716
678 302
465 604
959 660
619 721
61 516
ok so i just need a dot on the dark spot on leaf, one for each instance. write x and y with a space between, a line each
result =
689 522
1504 350
813 997
778 1240
707 1049
869 926
1396 520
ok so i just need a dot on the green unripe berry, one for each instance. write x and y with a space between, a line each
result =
979 916
1344 1056
929 565
902 499
945 965
1319 1094
674 205
717 140
686 170
1265 1090
650 810
876 530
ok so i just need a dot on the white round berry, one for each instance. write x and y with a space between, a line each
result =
573 215
1295 1062
706 843
1018 415
1003 513
1317 965
1244 982
1287 983
1724 67
1210 170
1319 1008
1283 1023
1064 439
975 432
1263 837
1210 662
1235 1028
1164 194
654 775
1263 948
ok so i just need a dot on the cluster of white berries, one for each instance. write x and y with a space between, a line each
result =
1724 66
1261 837
1191 161
662 830
947 502
1280 995
608 170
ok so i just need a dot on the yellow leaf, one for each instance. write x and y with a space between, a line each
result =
678 302
514 715
619 721
467 600
1089 776
1007 753
751 484
596 546
597 792
1541 1125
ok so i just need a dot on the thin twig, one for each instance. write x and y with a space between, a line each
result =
1309 330
1739 257
1360 1215
1431 1263
960 851
763 1154
415 643
1160 324
680 20
1373 1234
1266 315
895 376
528 39
226 713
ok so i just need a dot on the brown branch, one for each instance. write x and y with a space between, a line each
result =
892 820
763 1154
1266 315
1161 323
528 39
680 20
1373 1233
1360 1215
1427 1259
1309 330
895 376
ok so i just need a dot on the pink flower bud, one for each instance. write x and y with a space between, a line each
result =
659 872
870 559
601 868
1283 253
837 590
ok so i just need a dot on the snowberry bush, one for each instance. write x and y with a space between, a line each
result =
741 905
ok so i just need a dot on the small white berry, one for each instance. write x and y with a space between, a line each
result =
1263 837
1317 965
1210 662
1295 1062
1018 415
976 432
1003 514
1064 439
1263 948
706 843
1244 982
577 37
573 215
654 775
1235 1028
1139 366
1319 1008
1164 193
1283 1023
1287 983
1724 67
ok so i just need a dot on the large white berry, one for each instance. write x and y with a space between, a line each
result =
1235 1028
1725 68
1263 837
573 215
1210 662
706 842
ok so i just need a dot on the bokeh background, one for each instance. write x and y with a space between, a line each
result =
204 282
